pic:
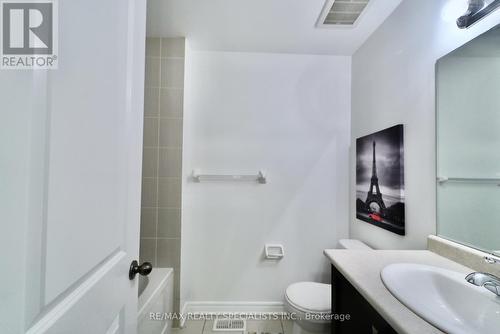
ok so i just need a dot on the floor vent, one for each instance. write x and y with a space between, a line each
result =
341 12
229 325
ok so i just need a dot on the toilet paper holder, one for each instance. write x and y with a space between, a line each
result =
274 251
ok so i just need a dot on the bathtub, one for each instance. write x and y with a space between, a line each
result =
155 297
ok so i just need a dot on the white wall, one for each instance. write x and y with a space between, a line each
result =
285 114
393 82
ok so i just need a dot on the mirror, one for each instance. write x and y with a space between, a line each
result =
468 143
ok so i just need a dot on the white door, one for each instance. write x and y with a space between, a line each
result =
70 171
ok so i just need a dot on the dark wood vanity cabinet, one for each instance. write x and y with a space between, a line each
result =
363 318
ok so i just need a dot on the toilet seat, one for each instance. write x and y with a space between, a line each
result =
309 297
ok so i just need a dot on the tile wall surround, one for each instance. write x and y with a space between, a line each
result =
162 156
467 256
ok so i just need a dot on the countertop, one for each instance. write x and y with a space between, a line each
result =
362 269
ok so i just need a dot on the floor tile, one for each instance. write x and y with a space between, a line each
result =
264 327
287 326
253 327
209 324
191 327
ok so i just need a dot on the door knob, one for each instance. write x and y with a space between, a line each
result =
143 269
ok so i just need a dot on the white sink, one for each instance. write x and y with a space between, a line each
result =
443 298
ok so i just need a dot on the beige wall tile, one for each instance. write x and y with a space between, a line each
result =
170 162
149 162
147 251
148 222
153 47
177 290
169 251
173 47
177 306
151 101
177 281
171 133
169 193
164 192
150 132
171 102
152 72
172 72
176 293
149 196
169 223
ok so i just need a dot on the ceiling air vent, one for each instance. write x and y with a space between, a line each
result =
341 13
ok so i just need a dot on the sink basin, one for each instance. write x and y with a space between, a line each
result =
443 298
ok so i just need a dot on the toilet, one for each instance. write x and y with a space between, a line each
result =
310 302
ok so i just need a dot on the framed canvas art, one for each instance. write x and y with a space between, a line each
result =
380 196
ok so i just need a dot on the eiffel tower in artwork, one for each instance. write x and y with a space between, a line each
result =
375 196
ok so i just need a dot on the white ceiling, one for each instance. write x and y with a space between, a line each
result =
274 26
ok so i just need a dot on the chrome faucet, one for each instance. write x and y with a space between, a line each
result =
488 281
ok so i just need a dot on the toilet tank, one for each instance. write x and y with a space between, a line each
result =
353 244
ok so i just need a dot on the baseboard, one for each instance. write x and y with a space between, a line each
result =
208 307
